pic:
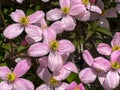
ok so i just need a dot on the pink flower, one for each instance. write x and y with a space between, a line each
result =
67 13
24 22
105 49
73 86
55 49
12 80
19 1
97 66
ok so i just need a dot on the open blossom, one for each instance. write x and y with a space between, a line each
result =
73 86
67 13
97 67
24 22
54 81
12 80
105 49
55 49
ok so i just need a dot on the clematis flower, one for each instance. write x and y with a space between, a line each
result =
54 81
55 49
89 6
73 86
97 66
24 22
106 13
12 79
67 13
112 78
105 49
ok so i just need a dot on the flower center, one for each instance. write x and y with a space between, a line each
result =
77 88
85 2
54 45
11 77
66 10
53 81
116 48
115 65
24 20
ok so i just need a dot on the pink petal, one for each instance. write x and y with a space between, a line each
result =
112 79
36 16
118 8
23 84
64 3
43 61
43 23
44 74
101 63
12 31
116 39
84 17
33 31
104 49
58 26
54 14
62 74
115 56
81 86
87 75
19 1
100 4
5 86
17 15
38 49
111 13
55 61
69 22
43 87
71 86
62 86
94 8
88 58
66 46
77 9
4 71
71 67
20 71
49 35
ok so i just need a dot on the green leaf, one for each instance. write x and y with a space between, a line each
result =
20 49
6 47
71 77
89 34
29 11
104 31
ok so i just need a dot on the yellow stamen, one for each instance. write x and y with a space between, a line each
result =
53 81
77 88
66 10
85 2
11 77
116 48
24 20
54 45
115 65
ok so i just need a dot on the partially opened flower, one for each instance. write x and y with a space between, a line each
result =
24 22
12 79
106 49
73 86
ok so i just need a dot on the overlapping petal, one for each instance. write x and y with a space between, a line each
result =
5 86
64 3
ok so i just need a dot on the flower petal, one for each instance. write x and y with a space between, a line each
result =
101 63
115 56
66 46
12 31
54 14
36 16
23 84
62 86
103 22
43 87
55 61
20 71
69 22
38 49
111 13
4 71
17 15
87 75
5 86
104 49
64 3
71 86
88 57
112 79
71 67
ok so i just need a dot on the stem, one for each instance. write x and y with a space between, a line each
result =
12 51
